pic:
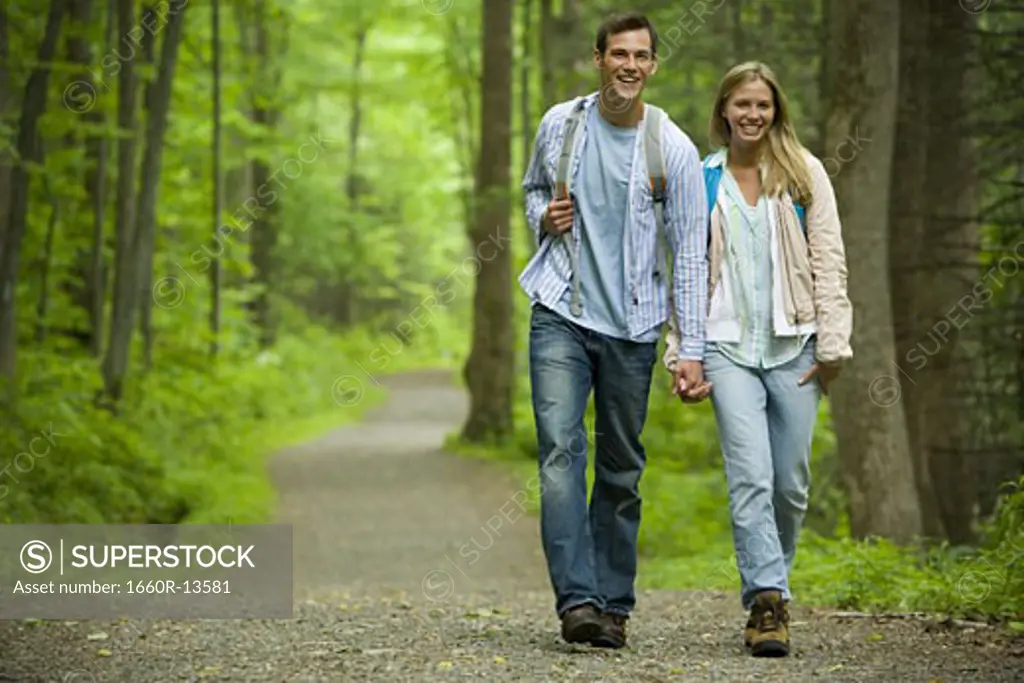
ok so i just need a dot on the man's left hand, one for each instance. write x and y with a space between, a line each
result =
689 384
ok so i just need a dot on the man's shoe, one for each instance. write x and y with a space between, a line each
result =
580 624
612 633
767 631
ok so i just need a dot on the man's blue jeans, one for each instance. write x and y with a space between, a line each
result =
766 424
591 553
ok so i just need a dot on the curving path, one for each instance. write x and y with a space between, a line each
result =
388 588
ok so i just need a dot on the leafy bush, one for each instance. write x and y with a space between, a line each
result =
190 440
686 538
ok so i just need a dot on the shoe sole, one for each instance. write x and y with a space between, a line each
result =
601 641
583 633
770 648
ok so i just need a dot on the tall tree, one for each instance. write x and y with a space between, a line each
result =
97 151
158 103
548 28
264 225
28 151
948 266
526 68
489 368
115 362
906 212
872 435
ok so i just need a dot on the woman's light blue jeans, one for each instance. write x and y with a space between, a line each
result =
766 424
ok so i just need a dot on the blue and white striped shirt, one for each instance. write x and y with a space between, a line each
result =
548 273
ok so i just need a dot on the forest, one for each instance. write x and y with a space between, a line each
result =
222 222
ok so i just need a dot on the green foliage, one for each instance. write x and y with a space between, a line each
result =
686 542
191 439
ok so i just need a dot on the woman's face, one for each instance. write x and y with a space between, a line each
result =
750 110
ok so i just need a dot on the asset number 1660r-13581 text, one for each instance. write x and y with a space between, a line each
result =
168 587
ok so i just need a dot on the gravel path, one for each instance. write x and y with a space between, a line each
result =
383 592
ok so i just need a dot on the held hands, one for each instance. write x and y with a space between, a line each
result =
826 374
558 217
689 384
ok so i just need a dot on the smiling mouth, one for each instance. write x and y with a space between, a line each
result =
751 129
628 80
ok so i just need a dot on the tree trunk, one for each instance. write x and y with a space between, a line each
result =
45 262
264 226
947 302
32 109
526 67
827 57
115 362
548 85
97 152
147 46
489 369
158 102
906 210
739 46
871 434
348 291
573 53
78 97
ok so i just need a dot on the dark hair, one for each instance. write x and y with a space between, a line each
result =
622 22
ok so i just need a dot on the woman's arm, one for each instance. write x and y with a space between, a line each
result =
833 311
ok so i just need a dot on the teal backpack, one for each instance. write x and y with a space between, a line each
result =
713 176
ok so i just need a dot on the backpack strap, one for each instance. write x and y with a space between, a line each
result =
562 192
713 177
656 177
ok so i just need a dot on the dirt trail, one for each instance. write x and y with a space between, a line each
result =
388 588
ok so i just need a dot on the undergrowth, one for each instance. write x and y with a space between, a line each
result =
686 542
191 437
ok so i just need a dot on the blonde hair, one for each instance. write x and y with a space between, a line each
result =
783 154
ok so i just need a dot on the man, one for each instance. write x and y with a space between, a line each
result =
601 332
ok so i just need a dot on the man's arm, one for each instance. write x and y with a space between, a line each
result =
686 225
537 183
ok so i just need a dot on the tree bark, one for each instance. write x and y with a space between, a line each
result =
526 67
264 226
46 261
158 103
32 109
947 301
548 84
115 362
78 97
907 206
489 369
870 427
97 151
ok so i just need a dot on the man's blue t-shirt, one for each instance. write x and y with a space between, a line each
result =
603 197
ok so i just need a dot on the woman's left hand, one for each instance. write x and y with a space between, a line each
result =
826 374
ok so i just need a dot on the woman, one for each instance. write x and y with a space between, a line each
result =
778 330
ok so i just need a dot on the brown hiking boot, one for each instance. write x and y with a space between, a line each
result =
613 631
767 631
580 624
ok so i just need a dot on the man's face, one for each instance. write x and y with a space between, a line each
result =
625 65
